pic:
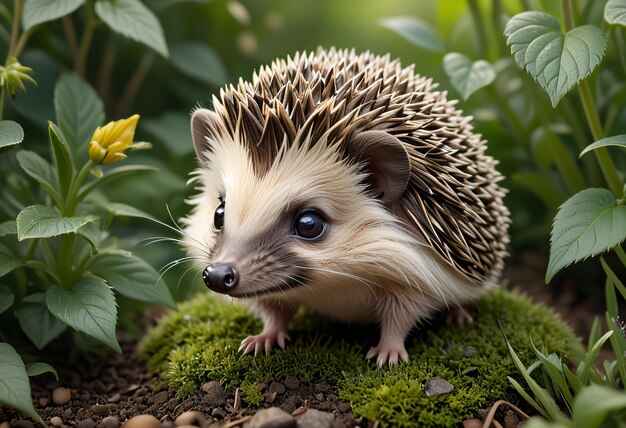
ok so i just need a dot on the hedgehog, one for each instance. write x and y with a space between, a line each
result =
346 184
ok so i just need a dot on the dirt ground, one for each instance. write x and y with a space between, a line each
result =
120 386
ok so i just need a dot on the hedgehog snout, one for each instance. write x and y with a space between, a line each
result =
220 277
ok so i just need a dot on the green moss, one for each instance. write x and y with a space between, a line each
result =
200 343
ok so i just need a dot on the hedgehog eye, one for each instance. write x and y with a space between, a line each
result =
218 217
309 225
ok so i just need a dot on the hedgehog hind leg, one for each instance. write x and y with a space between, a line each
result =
276 319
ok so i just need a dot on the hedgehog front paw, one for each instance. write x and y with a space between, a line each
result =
264 341
458 316
388 354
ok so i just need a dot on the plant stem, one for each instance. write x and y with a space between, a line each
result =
1 101
85 43
510 115
602 155
70 33
479 25
135 81
620 253
21 43
620 46
15 31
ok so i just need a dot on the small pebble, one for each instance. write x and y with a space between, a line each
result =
270 397
214 394
316 419
472 423
67 413
99 409
110 422
86 423
438 386
44 401
190 418
277 387
291 382
142 421
272 417
56 421
469 352
115 398
5 425
61 396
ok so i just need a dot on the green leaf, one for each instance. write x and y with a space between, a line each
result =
40 11
589 362
415 31
8 228
79 112
615 141
613 277
92 233
124 210
132 277
8 263
62 158
6 297
594 403
36 369
588 223
615 12
466 76
11 133
39 169
199 61
89 308
112 175
14 386
39 221
555 60
37 321
134 20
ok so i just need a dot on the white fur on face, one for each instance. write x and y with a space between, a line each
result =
365 253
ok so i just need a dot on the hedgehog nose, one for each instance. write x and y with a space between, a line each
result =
220 277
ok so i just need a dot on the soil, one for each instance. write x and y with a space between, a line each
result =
121 386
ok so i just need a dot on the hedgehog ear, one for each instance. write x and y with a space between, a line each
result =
203 125
387 161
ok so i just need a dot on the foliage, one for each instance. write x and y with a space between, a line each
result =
593 220
200 343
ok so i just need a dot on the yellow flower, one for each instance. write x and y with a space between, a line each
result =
110 141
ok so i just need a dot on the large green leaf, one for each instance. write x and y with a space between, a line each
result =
6 297
615 12
14 386
79 112
62 158
39 169
132 277
8 263
588 223
199 61
37 322
614 141
89 307
40 11
11 133
39 221
415 31
134 20
594 403
467 76
555 60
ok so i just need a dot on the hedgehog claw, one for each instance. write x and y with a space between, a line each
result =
263 342
388 355
458 316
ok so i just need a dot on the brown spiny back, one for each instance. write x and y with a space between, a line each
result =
452 199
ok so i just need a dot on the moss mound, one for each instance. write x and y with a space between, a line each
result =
199 343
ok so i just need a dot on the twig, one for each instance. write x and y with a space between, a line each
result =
70 34
494 408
